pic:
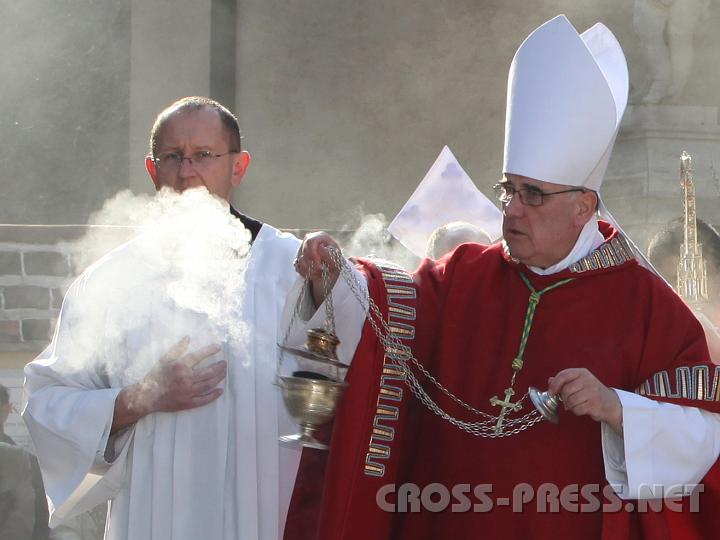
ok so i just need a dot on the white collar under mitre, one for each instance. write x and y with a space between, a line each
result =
566 96
590 239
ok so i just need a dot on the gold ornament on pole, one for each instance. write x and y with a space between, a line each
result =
692 271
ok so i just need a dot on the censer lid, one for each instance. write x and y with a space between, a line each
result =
320 346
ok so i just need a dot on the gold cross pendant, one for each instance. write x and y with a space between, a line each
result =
507 407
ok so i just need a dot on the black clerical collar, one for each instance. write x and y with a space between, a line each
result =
249 223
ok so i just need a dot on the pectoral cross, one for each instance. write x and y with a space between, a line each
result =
507 407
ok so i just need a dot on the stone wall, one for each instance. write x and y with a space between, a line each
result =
35 271
37 265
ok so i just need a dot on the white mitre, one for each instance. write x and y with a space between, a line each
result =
567 93
446 194
566 96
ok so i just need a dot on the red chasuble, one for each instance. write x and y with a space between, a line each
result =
393 462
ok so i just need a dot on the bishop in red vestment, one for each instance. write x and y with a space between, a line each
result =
449 447
463 317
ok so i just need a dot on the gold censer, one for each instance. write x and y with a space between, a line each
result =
309 395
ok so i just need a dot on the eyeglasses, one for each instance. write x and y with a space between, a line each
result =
171 161
530 196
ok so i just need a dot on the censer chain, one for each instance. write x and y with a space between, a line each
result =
402 353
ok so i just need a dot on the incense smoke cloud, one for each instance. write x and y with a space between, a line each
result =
372 239
183 274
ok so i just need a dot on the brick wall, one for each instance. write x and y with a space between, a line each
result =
33 280
35 272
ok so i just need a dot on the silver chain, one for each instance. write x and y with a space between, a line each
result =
396 350
291 325
327 291
329 313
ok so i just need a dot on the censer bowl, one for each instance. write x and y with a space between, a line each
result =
311 399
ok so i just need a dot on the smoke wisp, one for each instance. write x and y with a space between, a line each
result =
372 239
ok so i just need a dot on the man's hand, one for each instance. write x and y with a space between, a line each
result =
313 253
172 385
583 394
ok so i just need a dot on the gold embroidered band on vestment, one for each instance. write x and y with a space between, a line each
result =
688 382
401 296
613 253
